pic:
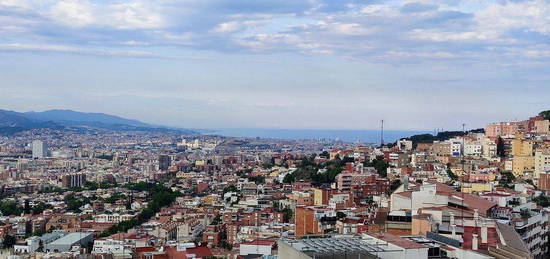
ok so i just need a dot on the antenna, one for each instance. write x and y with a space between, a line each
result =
461 182
381 133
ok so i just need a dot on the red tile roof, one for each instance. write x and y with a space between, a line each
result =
492 238
199 252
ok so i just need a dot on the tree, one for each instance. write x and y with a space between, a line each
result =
161 196
40 207
267 165
506 178
9 241
276 206
27 208
347 159
542 200
545 114
10 208
256 179
225 245
500 147
287 215
369 199
289 178
394 185
75 202
340 215
380 165
230 188
40 246
115 197
451 174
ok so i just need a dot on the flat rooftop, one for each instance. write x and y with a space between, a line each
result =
338 245
71 238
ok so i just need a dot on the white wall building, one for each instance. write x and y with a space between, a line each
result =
112 218
110 246
39 149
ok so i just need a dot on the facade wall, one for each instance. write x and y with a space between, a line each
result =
306 224
255 249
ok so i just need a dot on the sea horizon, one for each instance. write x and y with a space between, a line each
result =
346 135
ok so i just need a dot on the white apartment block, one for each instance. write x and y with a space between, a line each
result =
112 218
473 149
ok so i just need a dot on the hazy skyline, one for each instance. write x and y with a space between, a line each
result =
323 64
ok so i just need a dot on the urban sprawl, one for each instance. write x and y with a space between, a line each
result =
148 195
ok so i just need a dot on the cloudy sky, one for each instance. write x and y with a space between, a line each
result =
336 64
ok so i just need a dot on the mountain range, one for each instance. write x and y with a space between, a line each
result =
12 122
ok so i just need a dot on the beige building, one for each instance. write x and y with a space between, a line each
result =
524 166
542 126
542 162
522 147
441 148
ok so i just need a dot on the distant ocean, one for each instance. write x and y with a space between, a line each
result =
362 136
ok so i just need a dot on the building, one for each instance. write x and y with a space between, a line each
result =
441 148
524 166
473 149
506 128
311 220
117 248
39 149
405 144
65 243
73 180
542 162
32 244
544 181
164 162
112 218
347 179
257 247
542 126
384 246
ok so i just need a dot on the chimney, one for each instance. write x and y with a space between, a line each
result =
474 241
484 233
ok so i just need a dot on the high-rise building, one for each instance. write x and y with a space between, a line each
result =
39 149
73 180
164 162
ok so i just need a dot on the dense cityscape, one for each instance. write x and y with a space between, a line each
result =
100 193
274 129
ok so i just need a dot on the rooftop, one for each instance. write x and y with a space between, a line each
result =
396 240
349 245
71 238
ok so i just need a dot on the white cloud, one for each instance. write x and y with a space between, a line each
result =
440 36
354 29
228 27
80 13
428 55
135 16
529 15
362 30
75 50
74 13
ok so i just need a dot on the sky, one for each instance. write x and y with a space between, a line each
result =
308 64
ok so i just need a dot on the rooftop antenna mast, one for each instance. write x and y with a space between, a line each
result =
381 133
462 173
